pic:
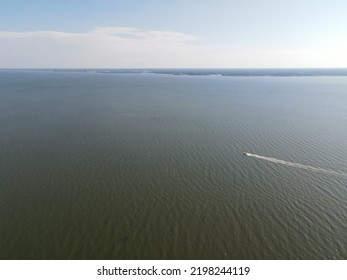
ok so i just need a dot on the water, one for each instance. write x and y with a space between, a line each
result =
296 165
137 165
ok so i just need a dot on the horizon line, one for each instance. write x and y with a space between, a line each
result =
187 68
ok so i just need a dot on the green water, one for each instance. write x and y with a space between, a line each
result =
150 166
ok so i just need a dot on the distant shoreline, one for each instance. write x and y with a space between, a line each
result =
236 72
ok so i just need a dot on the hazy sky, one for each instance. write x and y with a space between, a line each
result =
173 33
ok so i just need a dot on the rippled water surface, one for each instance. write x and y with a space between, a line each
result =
149 166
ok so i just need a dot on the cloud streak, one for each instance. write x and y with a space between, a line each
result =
131 47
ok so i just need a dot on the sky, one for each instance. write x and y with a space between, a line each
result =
173 33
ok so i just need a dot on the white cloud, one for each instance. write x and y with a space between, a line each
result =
133 33
38 34
101 47
131 47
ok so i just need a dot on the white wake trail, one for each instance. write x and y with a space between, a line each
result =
294 164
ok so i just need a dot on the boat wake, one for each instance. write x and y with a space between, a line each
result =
295 165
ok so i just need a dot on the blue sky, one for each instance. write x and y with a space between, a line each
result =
205 33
